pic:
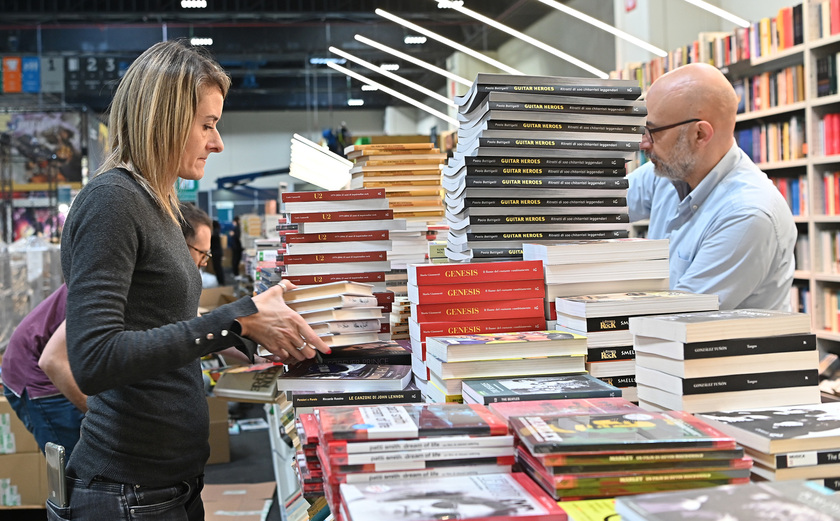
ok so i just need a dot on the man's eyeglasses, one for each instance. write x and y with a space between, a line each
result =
205 255
649 131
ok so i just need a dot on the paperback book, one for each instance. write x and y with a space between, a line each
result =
726 347
382 352
564 407
313 376
441 442
717 325
514 344
553 387
252 383
502 367
306 401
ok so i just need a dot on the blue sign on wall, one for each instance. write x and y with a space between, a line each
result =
31 74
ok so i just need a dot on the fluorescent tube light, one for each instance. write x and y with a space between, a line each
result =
201 41
726 15
355 102
398 95
414 40
380 70
193 4
446 41
415 61
606 27
368 87
525 38
324 61
390 66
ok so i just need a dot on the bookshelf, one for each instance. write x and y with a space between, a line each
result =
807 172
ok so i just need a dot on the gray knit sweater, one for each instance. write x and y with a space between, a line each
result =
133 337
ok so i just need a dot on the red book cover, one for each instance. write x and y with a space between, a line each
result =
834 9
375 235
424 274
309 280
363 215
422 330
565 407
476 292
835 132
461 311
333 195
308 428
384 297
320 258
830 137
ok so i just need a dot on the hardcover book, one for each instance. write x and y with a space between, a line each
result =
434 274
393 422
515 344
550 387
312 376
611 432
331 195
252 383
748 502
717 325
483 498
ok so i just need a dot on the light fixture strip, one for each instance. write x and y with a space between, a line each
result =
726 15
408 83
415 61
606 27
446 41
398 95
533 41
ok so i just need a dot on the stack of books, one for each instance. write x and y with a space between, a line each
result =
725 360
576 455
574 268
787 443
605 321
534 388
306 462
385 444
484 297
540 158
400 315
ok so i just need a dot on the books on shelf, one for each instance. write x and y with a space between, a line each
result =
313 376
551 387
716 325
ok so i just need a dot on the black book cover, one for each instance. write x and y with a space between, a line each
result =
545 201
383 353
544 182
606 354
745 382
563 162
550 219
572 144
546 236
548 126
749 346
506 170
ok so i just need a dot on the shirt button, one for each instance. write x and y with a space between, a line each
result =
197 341
224 332
210 336
694 207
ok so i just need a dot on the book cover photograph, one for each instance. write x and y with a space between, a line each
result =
313 376
624 460
538 388
251 383
564 407
509 344
485 497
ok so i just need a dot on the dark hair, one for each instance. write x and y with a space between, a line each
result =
191 218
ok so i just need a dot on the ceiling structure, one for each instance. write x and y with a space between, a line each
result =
265 45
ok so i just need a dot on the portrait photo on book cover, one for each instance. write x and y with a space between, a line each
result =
544 384
786 422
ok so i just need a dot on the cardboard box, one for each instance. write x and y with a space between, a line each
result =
14 438
218 409
211 298
219 443
23 480
244 501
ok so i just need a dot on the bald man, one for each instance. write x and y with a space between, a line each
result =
731 232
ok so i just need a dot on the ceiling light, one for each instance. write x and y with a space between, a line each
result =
446 4
390 66
533 41
422 106
201 41
606 27
726 15
414 40
193 4
324 61
368 87
446 41
415 61
355 102
407 83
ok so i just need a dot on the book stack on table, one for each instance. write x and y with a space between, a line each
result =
605 321
608 451
482 297
787 443
725 360
539 158
385 445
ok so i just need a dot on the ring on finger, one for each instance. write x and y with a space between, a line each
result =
305 343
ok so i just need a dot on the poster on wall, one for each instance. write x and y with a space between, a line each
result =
45 146
44 222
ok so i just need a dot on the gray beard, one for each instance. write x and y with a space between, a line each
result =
681 164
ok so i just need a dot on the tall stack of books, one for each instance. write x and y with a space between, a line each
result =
485 297
787 443
540 158
605 321
725 360
574 268
386 444
576 455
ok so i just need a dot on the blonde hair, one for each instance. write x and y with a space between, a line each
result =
152 113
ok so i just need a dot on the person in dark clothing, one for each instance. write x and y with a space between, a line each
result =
235 245
217 252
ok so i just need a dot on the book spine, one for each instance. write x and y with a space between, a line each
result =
373 397
460 311
430 274
531 162
295 238
476 292
384 297
577 108
546 202
309 280
620 381
590 91
745 382
807 459
366 215
395 359
544 182
750 346
544 171
332 195
571 144
551 126
560 395
605 219
606 354
598 324
320 258
544 236
497 253
473 327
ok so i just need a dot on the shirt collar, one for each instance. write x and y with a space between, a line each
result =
701 191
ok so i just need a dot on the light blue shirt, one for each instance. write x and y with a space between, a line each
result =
733 235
